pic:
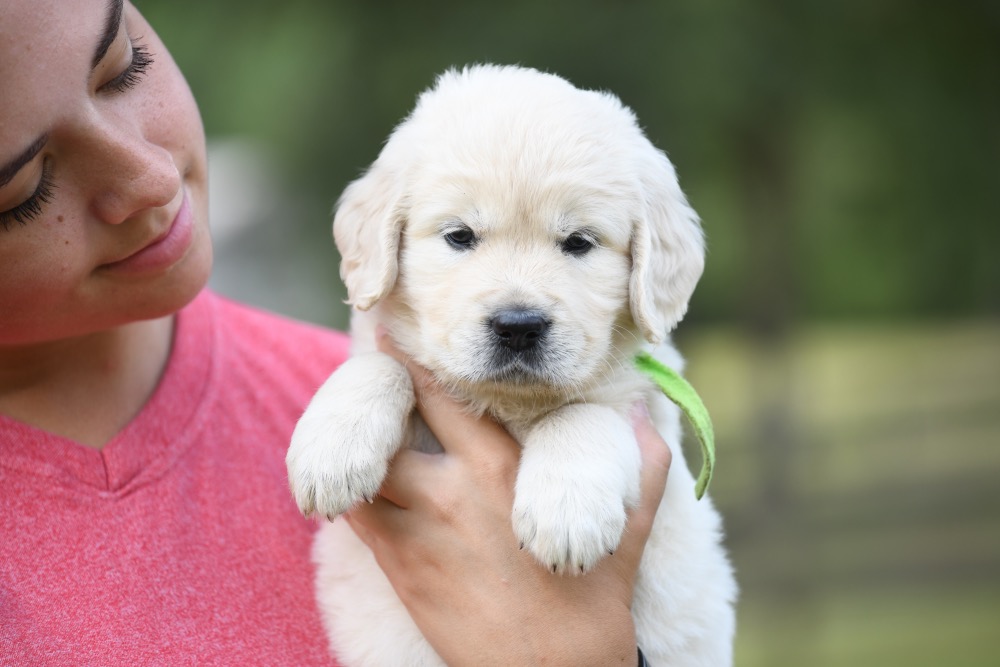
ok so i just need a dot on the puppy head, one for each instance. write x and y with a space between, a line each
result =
527 230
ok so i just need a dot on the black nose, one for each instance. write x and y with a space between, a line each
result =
519 329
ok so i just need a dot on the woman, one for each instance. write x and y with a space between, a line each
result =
143 420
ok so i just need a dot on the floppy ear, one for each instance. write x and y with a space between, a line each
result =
366 228
668 250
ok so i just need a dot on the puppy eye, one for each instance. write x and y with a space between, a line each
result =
461 238
577 244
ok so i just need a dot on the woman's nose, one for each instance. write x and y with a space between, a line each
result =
131 173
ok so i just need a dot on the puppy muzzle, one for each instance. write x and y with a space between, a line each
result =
517 344
519 329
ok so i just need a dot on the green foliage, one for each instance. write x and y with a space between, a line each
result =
844 158
843 155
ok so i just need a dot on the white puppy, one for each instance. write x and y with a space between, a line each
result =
523 240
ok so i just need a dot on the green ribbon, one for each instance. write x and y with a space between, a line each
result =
680 391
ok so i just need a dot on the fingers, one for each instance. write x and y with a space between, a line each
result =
458 431
656 459
369 520
410 474
414 476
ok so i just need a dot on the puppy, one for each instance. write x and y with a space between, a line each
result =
523 240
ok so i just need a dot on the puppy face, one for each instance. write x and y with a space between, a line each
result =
526 232
514 283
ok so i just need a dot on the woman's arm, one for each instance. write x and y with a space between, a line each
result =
441 531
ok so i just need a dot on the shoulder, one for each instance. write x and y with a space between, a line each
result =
267 342
266 328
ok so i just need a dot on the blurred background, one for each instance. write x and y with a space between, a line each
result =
845 159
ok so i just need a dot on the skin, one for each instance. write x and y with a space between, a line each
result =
446 518
82 345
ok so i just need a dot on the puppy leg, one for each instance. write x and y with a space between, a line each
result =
342 445
365 621
579 473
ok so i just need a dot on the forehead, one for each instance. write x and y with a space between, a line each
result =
551 205
550 159
46 49
526 181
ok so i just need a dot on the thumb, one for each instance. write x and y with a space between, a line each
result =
459 431
656 459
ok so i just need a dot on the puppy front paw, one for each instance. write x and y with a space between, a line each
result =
331 471
342 445
568 527
579 474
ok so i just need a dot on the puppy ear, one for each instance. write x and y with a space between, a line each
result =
668 251
366 228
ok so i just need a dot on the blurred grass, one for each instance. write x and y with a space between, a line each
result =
858 469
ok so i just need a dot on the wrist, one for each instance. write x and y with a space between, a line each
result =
611 641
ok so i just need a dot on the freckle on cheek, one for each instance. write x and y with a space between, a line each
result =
60 219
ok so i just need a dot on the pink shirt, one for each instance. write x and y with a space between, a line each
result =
178 543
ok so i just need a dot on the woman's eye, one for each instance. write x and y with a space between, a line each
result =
577 244
131 75
461 239
31 207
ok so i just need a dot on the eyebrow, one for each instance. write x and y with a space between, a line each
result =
111 26
114 20
8 170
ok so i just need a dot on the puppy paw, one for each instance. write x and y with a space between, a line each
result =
330 473
579 474
341 448
567 528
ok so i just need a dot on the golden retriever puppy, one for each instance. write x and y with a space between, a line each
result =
523 240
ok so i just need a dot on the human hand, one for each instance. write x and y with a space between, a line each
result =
441 531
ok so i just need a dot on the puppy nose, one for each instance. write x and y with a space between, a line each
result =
519 329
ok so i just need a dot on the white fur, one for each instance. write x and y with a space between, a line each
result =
522 160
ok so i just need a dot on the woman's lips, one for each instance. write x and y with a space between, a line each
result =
162 252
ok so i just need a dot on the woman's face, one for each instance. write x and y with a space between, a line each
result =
103 202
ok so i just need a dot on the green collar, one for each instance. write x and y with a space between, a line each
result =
680 391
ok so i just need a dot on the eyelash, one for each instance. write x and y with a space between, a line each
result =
132 75
32 206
